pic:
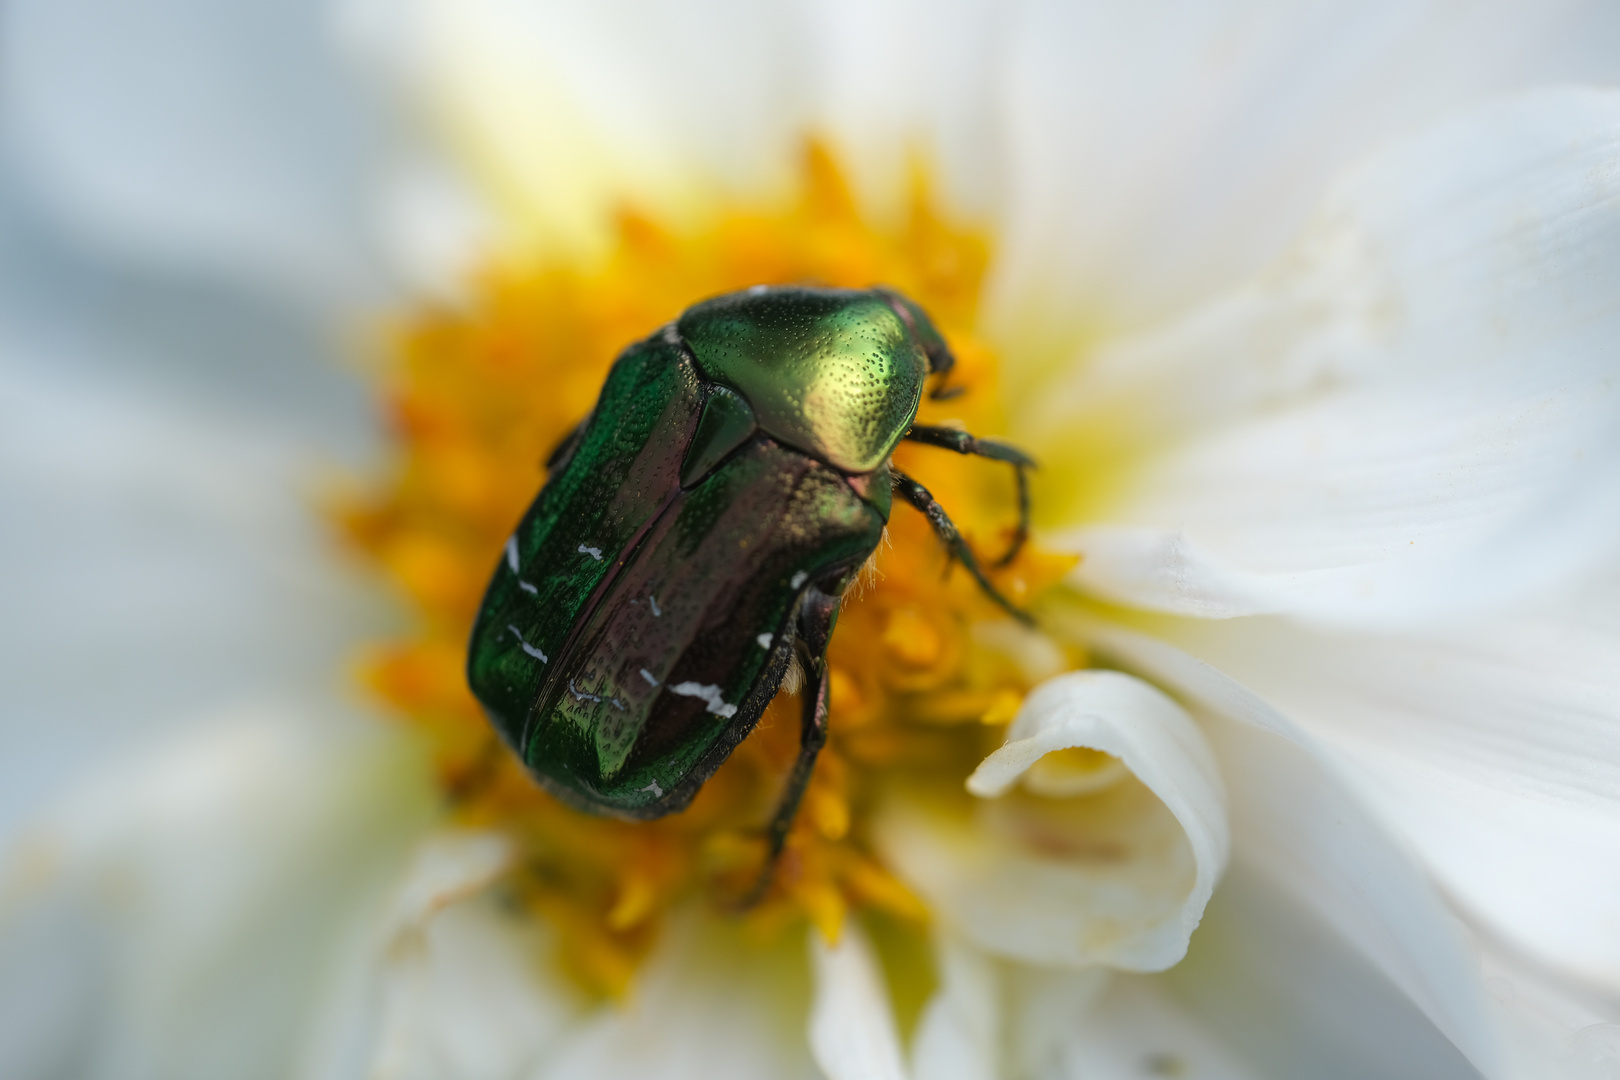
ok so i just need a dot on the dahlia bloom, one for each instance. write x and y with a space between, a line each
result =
1311 766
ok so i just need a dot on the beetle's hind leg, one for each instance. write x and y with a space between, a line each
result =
963 443
920 497
816 613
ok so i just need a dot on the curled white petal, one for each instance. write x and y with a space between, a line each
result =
1492 748
1303 827
1120 877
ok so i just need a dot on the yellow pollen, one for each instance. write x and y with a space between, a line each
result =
912 640
1003 707
479 394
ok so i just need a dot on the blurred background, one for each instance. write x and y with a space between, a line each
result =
187 238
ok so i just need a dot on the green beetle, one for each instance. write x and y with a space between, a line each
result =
695 535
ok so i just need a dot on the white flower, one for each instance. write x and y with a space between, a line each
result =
1337 433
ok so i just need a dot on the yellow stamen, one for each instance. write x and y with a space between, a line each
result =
479 395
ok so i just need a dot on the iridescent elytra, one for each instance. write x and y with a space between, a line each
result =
694 538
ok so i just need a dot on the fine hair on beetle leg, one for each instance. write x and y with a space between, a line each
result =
793 677
869 574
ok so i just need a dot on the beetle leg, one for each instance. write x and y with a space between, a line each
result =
919 496
963 443
816 615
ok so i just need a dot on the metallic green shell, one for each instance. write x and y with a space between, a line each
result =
637 627
834 372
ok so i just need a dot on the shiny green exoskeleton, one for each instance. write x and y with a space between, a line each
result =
695 536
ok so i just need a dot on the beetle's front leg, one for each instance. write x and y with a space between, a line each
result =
816 613
920 497
953 439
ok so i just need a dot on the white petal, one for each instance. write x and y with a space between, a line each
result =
1413 415
1118 878
447 868
1494 748
995 1018
566 112
916 77
203 891
1300 823
1265 991
462 985
851 1030
1151 157
196 135
1137 1028
165 546
1194 146
1288 994
707 1005
959 1035
474 999
992 1018
462 982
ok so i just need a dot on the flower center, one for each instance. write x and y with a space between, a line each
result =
925 672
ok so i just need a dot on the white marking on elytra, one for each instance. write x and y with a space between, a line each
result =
798 579
710 695
580 695
645 674
765 640
595 553
530 649
512 553
653 600
526 587
658 792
